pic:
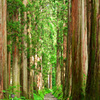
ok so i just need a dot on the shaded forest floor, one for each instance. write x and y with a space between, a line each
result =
49 97
49 94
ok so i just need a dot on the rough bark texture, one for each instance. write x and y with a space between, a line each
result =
3 48
88 24
84 42
1 53
68 76
24 57
16 71
58 70
30 61
98 52
76 49
93 79
16 65
4 45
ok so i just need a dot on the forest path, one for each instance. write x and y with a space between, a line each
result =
49 97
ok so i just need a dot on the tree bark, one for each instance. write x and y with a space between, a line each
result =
77 25
24 56
3 48
16 71
5 44
1 52
64 57
16 68
93 79
84 43
30 61
58 69
68 75
16 64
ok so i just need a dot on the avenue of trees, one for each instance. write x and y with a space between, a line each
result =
50 43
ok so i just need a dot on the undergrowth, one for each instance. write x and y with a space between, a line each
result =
57 92
41 93
37 95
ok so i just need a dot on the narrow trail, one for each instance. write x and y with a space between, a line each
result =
49 97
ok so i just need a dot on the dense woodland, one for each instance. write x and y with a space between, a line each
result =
50 46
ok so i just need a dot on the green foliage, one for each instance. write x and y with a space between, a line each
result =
53 77
9 92
37 97
41 93
44 18
57 92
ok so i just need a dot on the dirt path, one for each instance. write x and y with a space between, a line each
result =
49 97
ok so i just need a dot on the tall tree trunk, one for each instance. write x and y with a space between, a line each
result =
68 76
58 67
4 36
93 79
1 52
16 65
77 32
16 71
97 82
58 70
24 56
30 61
84 43
3 48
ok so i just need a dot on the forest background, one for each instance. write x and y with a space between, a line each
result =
50 46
